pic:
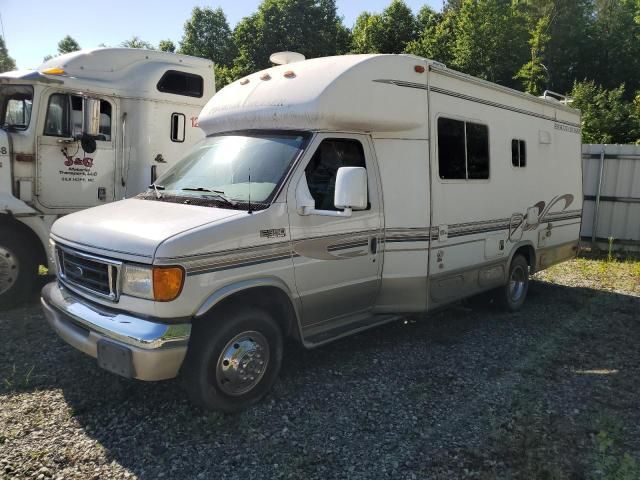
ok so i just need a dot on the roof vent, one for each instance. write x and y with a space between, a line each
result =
282 58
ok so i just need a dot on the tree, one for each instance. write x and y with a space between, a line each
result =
606 116
437 38
389 32
534 74
136 42
207 35
67 45
617 43
6 62
167 46
490 40
311 27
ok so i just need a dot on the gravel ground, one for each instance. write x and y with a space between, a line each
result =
469 392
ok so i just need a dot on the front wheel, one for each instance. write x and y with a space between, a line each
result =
18 269
233 359
514 293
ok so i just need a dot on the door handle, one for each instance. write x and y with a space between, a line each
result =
373 245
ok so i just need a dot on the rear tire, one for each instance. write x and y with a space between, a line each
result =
18 268
511 297
233 359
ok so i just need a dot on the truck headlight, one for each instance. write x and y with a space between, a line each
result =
162 284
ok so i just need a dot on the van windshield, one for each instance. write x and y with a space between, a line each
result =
15 106
237 166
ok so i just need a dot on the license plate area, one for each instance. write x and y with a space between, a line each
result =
115 358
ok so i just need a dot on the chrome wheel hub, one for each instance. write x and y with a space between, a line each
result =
517 283
8 269
242 363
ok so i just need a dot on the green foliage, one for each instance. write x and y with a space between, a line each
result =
167 46
606 116
136 42
67 45
389 32
534 73
311 27
490 39
207 35
437 38
225 75
6 62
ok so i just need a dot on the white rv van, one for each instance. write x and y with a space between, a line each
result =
330 196
82 130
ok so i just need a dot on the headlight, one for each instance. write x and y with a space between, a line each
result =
162 284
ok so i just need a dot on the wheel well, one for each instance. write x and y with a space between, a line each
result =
271 299
529 254
7 223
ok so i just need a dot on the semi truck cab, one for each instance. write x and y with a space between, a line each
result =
85 129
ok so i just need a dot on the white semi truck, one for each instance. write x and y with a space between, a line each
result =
82 130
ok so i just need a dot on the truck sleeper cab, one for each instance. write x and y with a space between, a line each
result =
85 129
330 196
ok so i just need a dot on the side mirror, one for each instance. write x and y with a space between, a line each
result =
351 188
532 215
90 116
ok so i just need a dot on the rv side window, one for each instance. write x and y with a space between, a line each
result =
518 153
463 150
181 83
322 169
64 117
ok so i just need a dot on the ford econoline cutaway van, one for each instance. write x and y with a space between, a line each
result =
329 196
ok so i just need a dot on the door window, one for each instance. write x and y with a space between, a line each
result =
64 117
322 170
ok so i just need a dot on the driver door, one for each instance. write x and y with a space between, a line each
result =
68 177
337 260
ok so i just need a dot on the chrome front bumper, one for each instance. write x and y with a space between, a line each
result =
146 350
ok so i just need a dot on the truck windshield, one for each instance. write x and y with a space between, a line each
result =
237 166
15 106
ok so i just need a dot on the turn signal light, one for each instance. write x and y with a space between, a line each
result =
53 71
167 283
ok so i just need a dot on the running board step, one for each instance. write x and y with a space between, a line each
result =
360 323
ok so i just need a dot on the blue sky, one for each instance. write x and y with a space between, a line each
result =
33 28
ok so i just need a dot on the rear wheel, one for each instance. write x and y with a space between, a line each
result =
233 359
18 268
514 293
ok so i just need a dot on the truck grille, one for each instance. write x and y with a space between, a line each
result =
95 275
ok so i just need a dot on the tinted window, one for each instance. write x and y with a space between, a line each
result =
451 149
181 83
323 168
477 151
518 153
463 150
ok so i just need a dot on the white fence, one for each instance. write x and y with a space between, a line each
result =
611 185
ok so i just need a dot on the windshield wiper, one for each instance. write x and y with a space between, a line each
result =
216 193
156 189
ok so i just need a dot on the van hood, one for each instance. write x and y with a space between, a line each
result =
134 226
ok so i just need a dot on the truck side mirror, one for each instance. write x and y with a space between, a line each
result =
532 216
90 116
351 188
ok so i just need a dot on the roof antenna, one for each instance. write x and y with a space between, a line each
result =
249 211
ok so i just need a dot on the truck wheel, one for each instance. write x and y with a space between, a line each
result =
514 293
18 269
232 362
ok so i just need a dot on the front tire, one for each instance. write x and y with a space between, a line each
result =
514 293
233 359
18 269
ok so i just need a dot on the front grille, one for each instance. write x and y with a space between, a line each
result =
89 273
